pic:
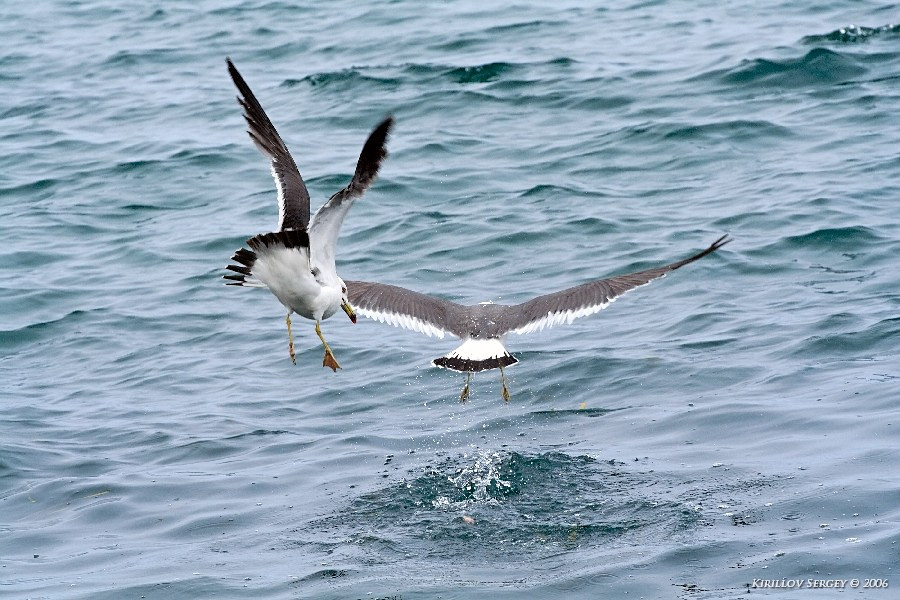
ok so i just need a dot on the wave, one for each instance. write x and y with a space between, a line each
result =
817 66
853 34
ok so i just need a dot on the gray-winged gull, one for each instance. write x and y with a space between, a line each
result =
483 327
296 262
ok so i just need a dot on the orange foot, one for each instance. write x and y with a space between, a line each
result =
330 362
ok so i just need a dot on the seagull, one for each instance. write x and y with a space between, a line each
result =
483 327
296 261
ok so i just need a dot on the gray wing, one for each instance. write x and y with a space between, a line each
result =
326 223
293 198
404 308
586 299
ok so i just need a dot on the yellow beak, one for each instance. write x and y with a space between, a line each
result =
349 310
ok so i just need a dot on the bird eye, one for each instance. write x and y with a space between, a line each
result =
344 290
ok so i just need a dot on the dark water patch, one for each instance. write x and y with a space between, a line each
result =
202 158
523 238
444 148
139 58
588 226
344 79
323 574
285 9
31 111
854 34
201 451
424 71
710 344
436 99
157 15
816 67
590 413
552 98
525 27
481 73
18 338
563 61
600 102
740 130
30 259
131 210
740 220
876 339
505 77
834 238
10 60
138 168
461 43
549 190
91 13
43 187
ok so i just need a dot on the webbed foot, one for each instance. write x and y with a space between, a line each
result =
330 361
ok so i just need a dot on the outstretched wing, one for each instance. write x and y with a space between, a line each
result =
326 223
293 198
586 299
404 308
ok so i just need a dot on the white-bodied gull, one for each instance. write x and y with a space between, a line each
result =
296 261
483 327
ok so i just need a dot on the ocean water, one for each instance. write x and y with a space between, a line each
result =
732 423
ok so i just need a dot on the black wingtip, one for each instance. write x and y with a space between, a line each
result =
246 93
234 73
234 279
239 269
720 242
373 154
712 248
375 149
383 129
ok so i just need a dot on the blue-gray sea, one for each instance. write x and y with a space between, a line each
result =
731 426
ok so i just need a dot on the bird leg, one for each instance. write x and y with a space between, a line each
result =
290 338
465 393
329 361
504 391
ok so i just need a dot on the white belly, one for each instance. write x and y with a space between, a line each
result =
285 271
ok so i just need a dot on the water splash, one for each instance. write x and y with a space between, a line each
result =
479 482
